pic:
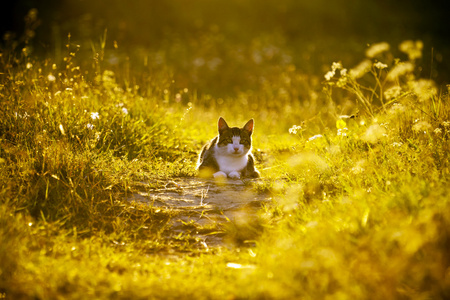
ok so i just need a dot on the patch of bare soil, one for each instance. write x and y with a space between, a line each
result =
207 210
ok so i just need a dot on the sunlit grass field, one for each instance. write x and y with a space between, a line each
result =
354 160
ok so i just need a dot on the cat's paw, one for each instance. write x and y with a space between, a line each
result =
234 175
220 175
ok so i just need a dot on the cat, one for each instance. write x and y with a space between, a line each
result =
229 153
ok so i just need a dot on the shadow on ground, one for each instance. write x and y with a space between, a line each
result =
212 213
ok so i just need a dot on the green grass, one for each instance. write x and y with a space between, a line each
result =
360 210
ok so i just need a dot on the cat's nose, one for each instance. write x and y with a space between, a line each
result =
236 149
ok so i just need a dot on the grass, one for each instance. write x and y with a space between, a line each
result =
360 187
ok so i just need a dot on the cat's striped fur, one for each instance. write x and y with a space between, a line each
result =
229 153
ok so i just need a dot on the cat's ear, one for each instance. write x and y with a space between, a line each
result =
222 125
249 126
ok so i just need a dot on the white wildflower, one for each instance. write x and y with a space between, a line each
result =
51 78
392 92
90 126
125 111
95 115
397 108
342 131
380 65
421 126
376 49
423 88
374 133
361 69
399 70
294 129
24 116
317 136
329 75
413 49
336 66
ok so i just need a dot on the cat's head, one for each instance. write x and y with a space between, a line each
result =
233 140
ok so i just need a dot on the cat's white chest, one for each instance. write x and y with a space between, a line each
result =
229 163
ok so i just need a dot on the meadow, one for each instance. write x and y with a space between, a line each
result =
354 161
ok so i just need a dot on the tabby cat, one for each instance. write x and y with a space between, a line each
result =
229 153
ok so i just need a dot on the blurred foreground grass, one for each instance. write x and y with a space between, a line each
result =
358 171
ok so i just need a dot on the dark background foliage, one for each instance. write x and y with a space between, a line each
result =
312 33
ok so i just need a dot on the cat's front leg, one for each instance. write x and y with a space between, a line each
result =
220 175
234 175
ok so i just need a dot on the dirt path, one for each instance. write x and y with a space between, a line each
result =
204 206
